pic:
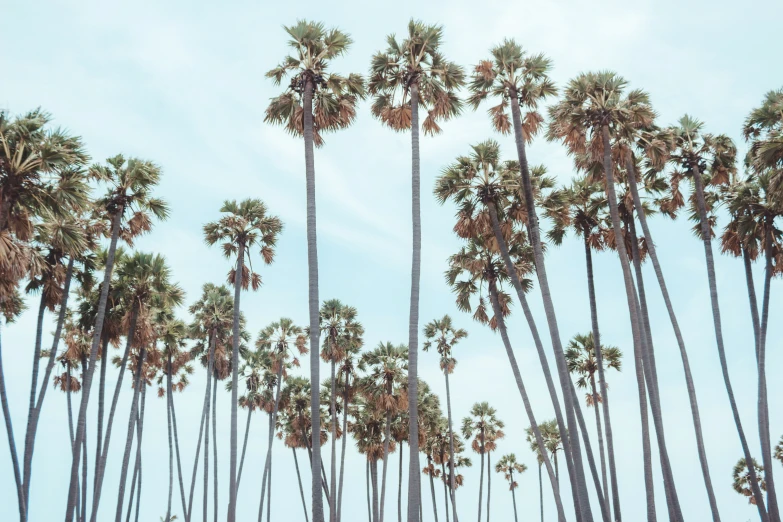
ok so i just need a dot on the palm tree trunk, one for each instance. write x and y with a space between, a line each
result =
301 489
101 466
214 450
680 343
445 488
342 455
604 392
171 439
204 415
272 421
536 340
432 487
369 504
11 444
269 494
540 492
637 328
333 417
81 423
600 431
313 300
137 383
399 489
83 511
451 448
374 476
324 482
244 447
70 428
386 441
763 405
138 494
207 408
414 480
179 460
481 476
136 479
501 326
32 423
571 444
489 480
101 408
754 306
232 472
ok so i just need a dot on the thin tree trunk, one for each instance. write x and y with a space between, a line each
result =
333 471
70 426
81 423
83 511
445 488
374 476
342 455
140 437
489 481
451 448
369 504
324 482
138 494
204 416
11 444
680 343
399 489
272 421
208 407
599 429
754 306
313 300
570 444
432 487
265 476
540 492
214 450
414 480
604 393
514 498
244 447
136 478
637 328
101 408
101 466
134 481
232 472
481 476
32 423
536 337
269 494
26 461
171 440
137 383
386 441
179 460
501 325
301 489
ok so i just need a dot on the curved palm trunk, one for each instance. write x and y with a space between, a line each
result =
272 421
637 328
501 325
179 460
140 435
387 436
414 480
680 342
754 306
81 423
244 447
481 476
101 466
232 471
514 497
489 480
342 455
571 444
312 283
399 489
11 444
299 480
214 450
600 431
210 371
137 383
604 392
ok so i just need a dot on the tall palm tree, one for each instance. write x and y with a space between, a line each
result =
521 81
487 427
477 273
764 128
384 387
279 339
444 336
705 157
245 225
410 73
742 480
315 102
580 354
594 107
129 206
508 465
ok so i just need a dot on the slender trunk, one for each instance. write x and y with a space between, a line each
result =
138 494
414 480
171 439
374 476
481 475
534 332
83 512
313 301
369 504
140 435
208 407
32 423
604 393
599 429
333 417
214 450
11 444
763 405
451 448
81 423
301 489
134 477
244 447
489 480
432 488
501 325
445 488
70 428
179 460
138 382
399 489
386 441
571 444
680 342
272 421
754 306
232 472
342 455
101 466
269 494
204 415
514 497
637 329
324 482
540 492
101 408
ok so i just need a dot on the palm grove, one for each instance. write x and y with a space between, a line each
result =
67 230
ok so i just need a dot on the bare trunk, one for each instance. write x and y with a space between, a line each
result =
386 441
210 371
432 488
445 488
83 512
134 477
214 450
374 476
754 306
481 476
179 460
137 466
11 444
369 504
101 408
232 471
272 421
301 489
451 448
514 497
399 489
489 481
244 447
171 440
540 492
599 429
342 455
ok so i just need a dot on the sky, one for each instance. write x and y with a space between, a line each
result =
182 84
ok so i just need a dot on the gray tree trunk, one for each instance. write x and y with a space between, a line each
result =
369 504
210 371
399 489
185 514
599 429
272 421
342 455
232 471
301 489
540 492
101 408
525 400
374 476
214 450
333 470
386 441
451 448
445 488
244 447
414 480
171 440
136 478
514 497
489 480
432 488
481 476
754 306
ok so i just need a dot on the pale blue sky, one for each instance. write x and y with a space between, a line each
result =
181 83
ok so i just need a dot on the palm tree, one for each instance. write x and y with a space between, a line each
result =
278 339
347 377
245 225
742 480
476 271
292 438
764 128
130 183
488 428
384 388
580 354
594 106
508 465
701 156
315 102
442 334
407 74
342 336
522 81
